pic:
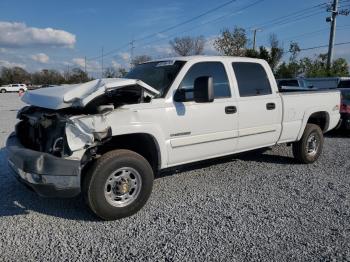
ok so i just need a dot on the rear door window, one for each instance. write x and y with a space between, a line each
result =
252 79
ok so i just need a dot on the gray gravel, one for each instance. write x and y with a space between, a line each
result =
257 206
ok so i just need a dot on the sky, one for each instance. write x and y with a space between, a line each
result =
60 34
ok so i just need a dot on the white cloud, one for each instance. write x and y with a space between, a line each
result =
13 34
2 50
79 61
4 63
209 48
125 56
116 65
41 58
163 49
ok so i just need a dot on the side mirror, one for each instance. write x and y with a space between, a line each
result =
180 95
203 89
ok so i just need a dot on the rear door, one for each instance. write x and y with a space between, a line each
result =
260 107
203 130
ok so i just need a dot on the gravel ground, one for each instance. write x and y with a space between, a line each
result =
257 206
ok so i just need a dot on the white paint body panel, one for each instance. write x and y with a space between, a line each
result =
79 95
189 131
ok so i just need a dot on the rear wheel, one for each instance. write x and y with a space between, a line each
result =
118 184
310 146
3 91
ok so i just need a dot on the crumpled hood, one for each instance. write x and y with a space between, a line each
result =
79 95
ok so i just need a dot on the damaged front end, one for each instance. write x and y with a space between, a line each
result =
53 142
76 118
60 133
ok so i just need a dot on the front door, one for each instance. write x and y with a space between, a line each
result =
203 130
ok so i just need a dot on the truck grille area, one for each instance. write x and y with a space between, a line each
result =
42 131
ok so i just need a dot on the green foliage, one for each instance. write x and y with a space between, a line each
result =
14 75
46 76
316 67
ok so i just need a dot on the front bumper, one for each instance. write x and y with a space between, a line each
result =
47 175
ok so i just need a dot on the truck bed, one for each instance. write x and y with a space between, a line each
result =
298 107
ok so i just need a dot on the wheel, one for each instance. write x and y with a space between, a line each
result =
118 184
3 91
310 146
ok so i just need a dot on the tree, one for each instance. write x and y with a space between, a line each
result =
232 43
316 67
185 46
14 75
340 67
140 59
48 77
273 56
110 72
294 49
276 52
77 76
122 72
252 53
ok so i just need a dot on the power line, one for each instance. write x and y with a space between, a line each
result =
168 29
314 32
289 16
187 21
208 22
322 46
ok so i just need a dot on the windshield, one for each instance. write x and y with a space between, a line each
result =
159 75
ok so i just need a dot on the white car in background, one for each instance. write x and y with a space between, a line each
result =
13 88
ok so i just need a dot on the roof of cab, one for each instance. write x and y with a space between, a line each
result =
204 58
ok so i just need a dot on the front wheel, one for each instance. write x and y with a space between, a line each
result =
310 146
3 91
118 184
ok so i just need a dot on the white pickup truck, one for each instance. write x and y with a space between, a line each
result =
13 88
108 138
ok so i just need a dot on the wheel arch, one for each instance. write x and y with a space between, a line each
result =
319 117
142 143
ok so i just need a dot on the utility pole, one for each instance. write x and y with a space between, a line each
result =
255 30
333 20
132 48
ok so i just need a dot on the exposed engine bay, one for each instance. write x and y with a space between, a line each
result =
61 132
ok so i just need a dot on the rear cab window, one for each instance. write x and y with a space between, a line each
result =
252 79
344 84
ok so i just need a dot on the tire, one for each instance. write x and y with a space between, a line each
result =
108 185
3 91
309 148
